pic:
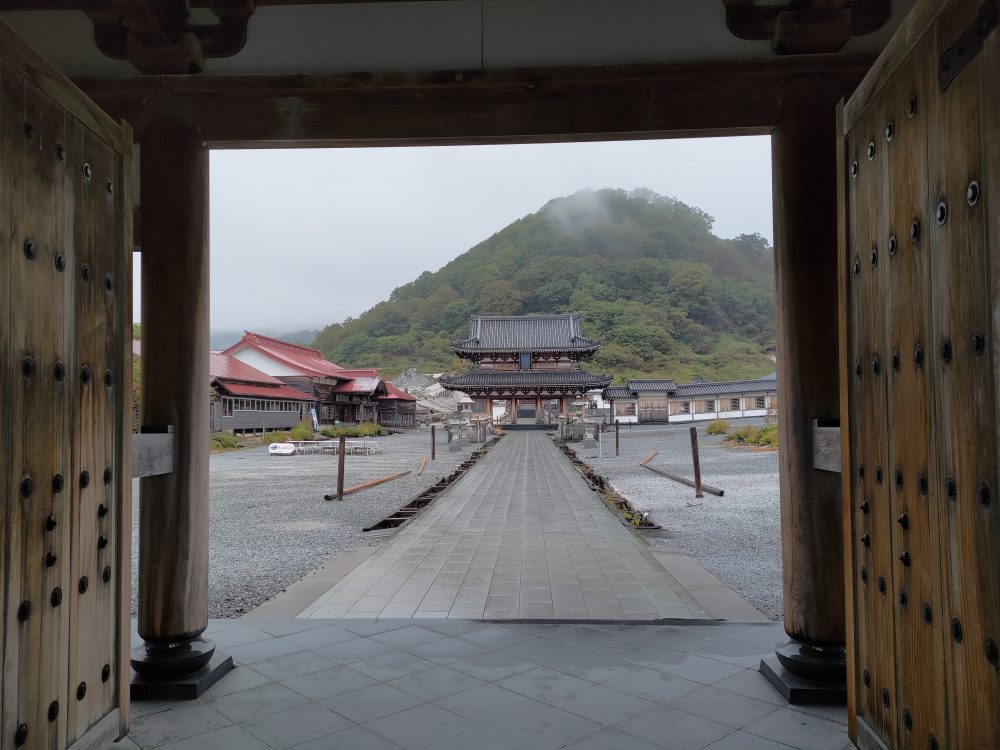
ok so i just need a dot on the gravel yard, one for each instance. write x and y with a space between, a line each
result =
738 536
270 525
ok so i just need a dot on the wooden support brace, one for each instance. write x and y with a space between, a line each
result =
366 485
706 487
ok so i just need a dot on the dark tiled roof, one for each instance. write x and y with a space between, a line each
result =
730 388
639 386
531 378
525 333
618 392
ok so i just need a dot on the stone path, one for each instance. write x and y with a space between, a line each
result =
520 536
459 685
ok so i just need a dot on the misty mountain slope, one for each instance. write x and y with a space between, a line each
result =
651 281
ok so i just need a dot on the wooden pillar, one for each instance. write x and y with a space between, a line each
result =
538 409
562 405
173 517
805 234
489 407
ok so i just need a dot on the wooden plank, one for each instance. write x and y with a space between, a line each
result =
525 105
826 447
37 431
868 501
963 305
58 87
916 23
9 568
989 526
152 454
122 266
687 482
916 558
846 484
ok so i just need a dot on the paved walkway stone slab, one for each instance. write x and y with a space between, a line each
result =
520 536
525 686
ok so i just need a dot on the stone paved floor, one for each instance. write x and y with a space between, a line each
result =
465 685
520 536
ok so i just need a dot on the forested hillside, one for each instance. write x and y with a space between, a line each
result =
650 280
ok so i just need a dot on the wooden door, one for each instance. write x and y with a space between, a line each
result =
65 370
920 280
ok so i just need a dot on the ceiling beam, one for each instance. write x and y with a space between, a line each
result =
468 107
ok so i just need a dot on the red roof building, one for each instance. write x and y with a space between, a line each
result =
341 394
247 399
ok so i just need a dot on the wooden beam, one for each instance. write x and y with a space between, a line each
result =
475 106
826 448
806 304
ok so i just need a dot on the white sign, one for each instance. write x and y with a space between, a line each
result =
281 449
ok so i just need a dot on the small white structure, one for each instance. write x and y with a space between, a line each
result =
281 449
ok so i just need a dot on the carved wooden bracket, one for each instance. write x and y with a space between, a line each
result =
798 27
162 36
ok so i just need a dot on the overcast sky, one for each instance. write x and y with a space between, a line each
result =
304 238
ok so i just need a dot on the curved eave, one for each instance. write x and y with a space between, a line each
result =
589 350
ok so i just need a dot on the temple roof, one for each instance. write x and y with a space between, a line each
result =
732 387
695 389
618 392
526 378
642 386
525 333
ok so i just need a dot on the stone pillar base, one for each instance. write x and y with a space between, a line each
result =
805 674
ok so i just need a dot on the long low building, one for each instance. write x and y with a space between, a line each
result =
663 401
244 399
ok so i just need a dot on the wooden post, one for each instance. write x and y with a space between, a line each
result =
173 512
697 463
617 438
341 451
433 443
806 301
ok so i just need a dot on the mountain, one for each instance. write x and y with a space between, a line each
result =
649 278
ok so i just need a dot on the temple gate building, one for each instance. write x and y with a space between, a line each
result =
530 363
884 121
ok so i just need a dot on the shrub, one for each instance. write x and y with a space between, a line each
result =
302 431
367 429
220 442
767 437
275 437
718 427
764 437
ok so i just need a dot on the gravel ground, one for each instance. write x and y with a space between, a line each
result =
738 536
270 525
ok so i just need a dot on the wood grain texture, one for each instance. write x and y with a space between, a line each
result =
916 24
173 516
846 459
525 105
826 448
50 426
936 424
916 558
805 216
869 543
152 454
963 305
122 273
